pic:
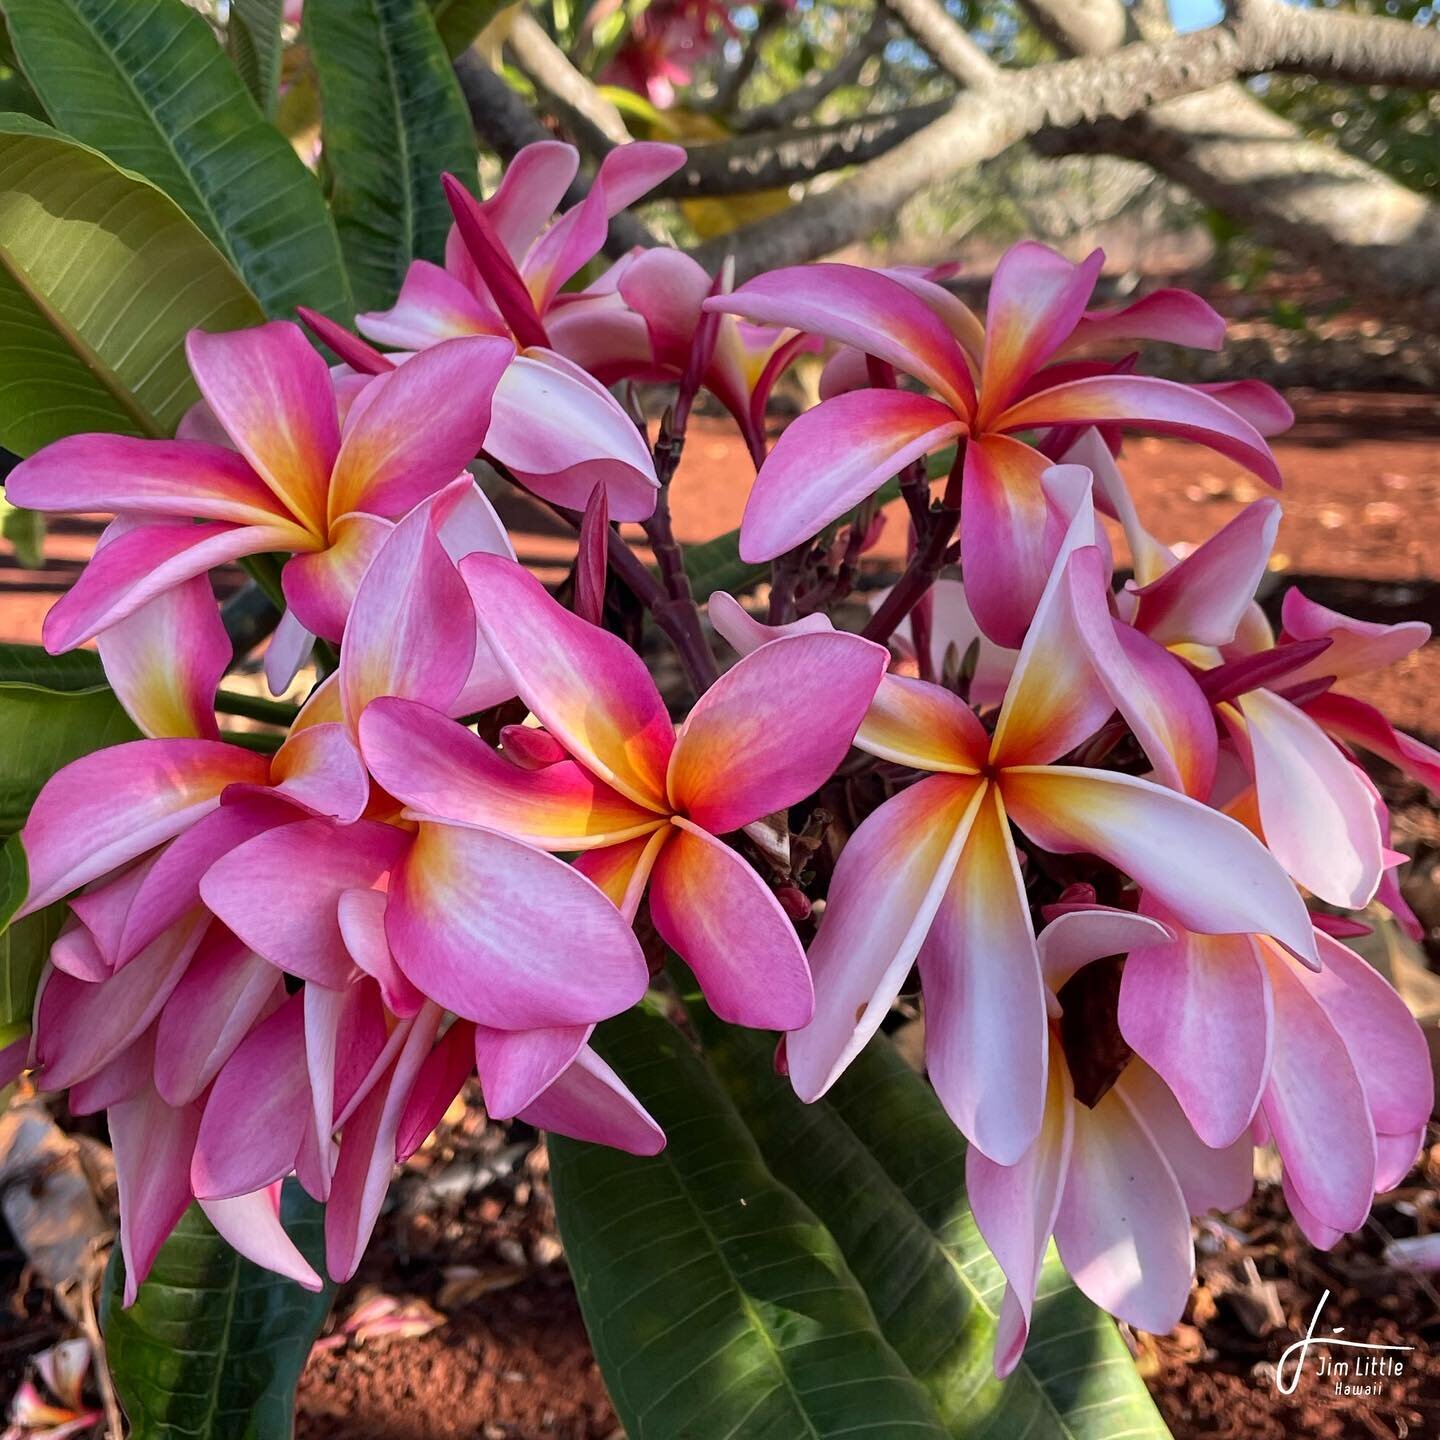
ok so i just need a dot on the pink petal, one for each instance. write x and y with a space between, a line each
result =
590 1102
1316 811
152 1144
890 880
438 1081
516 1066
1144 403
561 433
1197 1009
280 892
402 638
1202 600
222 994
257 1110
722 919
1054 699
1036 300
440 770
739 756
166 659
114 473
1356 646
587 687
250 1224
432 306
508 936
420 426
1175 317
143 562
832 457
106 808
1009 535
873 312
985 1012
1316 1108
1161 703
1361 724
1123 1227
1210 1179
1015 1208
270 390
320 586
915 723
1206 869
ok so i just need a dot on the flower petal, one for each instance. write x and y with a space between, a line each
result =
832 457
740 755
587 687
590 1102
873 312
725 923
107 807
270 390
280 892
413 430
985 1012
517 1065
561 433
508 936
1188 1002
890 880
1206 869
1315 807
1123 1228
1036 300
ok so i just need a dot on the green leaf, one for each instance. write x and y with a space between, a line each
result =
717 1303
393 119
146 82
460 21
25 530
252 35
41 730
883 1167
101 276
213 1347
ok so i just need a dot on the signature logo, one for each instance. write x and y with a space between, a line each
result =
1358 1374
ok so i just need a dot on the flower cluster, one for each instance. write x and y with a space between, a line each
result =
1114 825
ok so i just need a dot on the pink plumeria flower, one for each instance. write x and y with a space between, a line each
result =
555 426
300 482
1314 806
933 874
1114 1173
837 454
644 805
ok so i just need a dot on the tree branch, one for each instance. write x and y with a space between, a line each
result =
773 158
981 124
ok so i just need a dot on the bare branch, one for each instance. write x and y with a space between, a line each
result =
797 103
981 124
504 121
770 159
594 118
946 40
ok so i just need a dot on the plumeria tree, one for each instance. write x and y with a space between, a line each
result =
1112 818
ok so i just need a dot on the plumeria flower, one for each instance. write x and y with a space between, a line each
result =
555 427
1115 1171
933 874
643 804
1314 806
296 481
843 450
